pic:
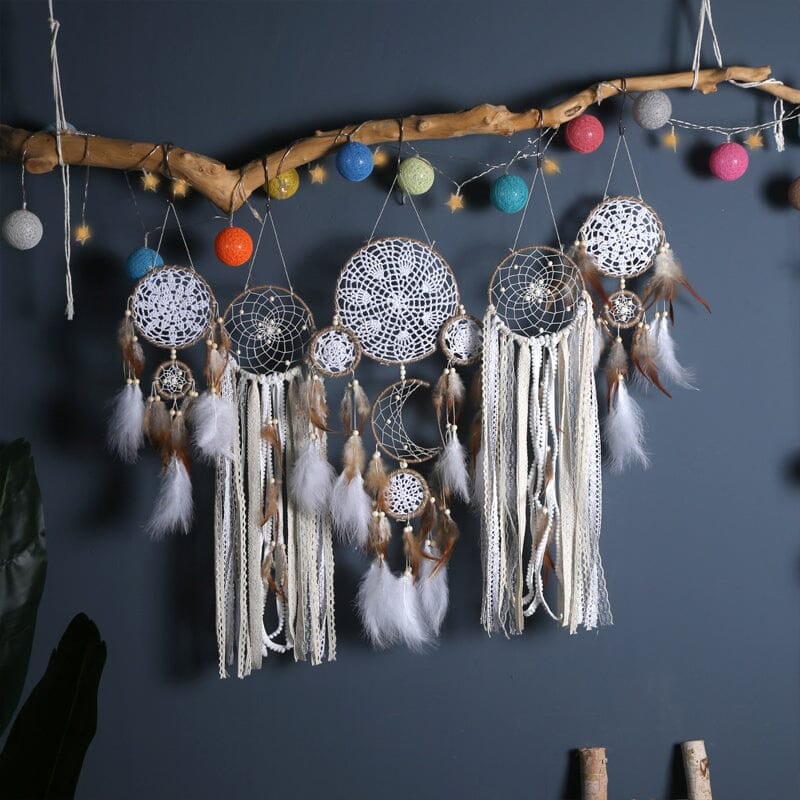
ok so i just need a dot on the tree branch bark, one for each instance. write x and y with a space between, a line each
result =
229 188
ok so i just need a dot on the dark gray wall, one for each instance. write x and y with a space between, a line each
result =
701 551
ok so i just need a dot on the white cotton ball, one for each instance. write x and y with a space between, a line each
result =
22 229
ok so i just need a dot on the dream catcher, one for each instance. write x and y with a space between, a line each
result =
172 308
394 295
623 238
538 471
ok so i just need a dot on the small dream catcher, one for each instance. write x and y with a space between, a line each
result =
394 295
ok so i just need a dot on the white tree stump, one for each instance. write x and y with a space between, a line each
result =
594 774
696 767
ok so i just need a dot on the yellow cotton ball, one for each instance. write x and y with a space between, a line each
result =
283 186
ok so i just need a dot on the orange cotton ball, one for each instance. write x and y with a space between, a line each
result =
233 246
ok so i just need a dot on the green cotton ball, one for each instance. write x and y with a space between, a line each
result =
415 175
652 110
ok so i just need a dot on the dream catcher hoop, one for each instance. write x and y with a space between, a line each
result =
461 339
406 494
172 307
394 294
623 310
269 328
173 380
334 351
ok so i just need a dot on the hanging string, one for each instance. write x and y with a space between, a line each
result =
260 230
705 13
22 171
85 195
737 130
171 207
624 142
61 125
419 219
383 208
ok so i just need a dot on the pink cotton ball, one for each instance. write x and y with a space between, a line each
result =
728 161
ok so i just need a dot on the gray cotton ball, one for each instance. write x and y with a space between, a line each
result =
652 110
22 229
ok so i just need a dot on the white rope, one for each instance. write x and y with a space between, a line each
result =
705 13
61 126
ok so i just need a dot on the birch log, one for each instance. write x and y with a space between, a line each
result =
696 767
594 775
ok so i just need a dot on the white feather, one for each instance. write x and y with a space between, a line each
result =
668 364
351 510
125 428
214 426
311 479
412 630
173 509
598 343
377 595
624 431
451 468
433 591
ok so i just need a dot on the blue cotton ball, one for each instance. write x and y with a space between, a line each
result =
354 161
141 261
509 194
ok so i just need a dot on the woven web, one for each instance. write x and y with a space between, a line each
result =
535 291
461 339
394 294
172 307
622 234
406 494
173 380
269 327
388 425
624 309
334 351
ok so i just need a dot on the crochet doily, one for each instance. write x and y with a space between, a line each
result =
394 294
406 494
334 351
388 425
622 235
624 309
172 307
270 328
173 380
461 339
535 291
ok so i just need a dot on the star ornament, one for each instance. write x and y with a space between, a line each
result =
150 181
317 173
550 167
82 233
755 141
455 202
670 140
380 158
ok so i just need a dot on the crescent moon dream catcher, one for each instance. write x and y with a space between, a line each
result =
171 307
394 294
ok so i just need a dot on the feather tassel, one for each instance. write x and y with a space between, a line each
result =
451 467
427 521
616 368
269 433
158 426
433 589
214 426
379 534
412 629
311 479
376 480
624 431
412 550
315 403
362 405
173 509
667 280
446 538
668 362
377 594
351 510
126 425
588 269
643 355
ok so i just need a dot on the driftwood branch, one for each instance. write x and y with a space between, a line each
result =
229 188
593 773
696 767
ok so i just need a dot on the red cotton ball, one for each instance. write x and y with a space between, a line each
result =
233 246
728 161
584 134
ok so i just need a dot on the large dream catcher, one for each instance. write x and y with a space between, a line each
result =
394 296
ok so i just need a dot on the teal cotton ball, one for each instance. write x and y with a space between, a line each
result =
354 161
141 261
509 194
652 110
22 229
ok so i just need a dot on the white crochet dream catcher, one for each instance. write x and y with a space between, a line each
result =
334 351
461 339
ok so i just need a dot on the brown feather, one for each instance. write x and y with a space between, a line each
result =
179 438
616 368
439 392
158 425
644 359
269 433
427 521
454 394
446 539
216 361
668 277
353 456
346 411
379 534
376 480
317 407
363 407
272 509
412 550
591 273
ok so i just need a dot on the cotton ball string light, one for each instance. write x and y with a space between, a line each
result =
509 193
584 134
284 185
141 261
652 110
728 161
415 175
233 246
22 229
794 193
354 161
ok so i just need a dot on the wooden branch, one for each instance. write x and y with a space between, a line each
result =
229 188
696 767
593 772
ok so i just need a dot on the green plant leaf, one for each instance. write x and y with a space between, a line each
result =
47 743
23 566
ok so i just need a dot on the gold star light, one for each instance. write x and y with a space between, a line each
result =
755 141
150 181
550 167
670 140
318 173
82 233
180 187
455 202
380 158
